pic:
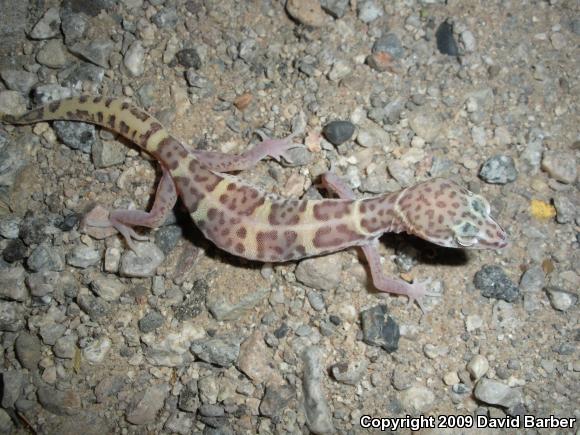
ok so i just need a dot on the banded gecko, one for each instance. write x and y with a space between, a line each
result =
246 222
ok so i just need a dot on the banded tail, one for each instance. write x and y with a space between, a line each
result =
112 113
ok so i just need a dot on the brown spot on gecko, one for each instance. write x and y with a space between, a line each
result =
124 106
53 107
284 212
241 233
82 115
290 237
139 114
97 99
109 101
239 248
83 99
123 128
331 209
111 121
263 236
335 237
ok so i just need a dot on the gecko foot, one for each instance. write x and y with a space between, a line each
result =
418 290
278 148
100 223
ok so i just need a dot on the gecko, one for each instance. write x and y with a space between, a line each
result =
247 222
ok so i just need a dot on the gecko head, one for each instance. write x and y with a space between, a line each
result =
442 212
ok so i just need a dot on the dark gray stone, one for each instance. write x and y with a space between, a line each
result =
498 170
222 351
446 43
494 283
380 329
28 350
338 132
151 321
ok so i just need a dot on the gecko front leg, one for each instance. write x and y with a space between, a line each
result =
416 291
102 223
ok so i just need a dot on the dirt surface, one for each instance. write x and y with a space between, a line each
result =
182 338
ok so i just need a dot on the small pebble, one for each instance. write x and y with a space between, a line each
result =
425 124
222 351
498 170
83 257
96 352
368 10
316 300
276 399
533 279
318 414
142 262
477 367
108 288
389 43
307 12
335 8
560 165
322 273
48 26
467 41
53 54
134 59
566 210
497 393
446 43
350 372
380 329
494 283
338 132
189 58
146 404
561 300
151 321
451 378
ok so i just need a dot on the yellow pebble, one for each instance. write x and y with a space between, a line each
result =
541 209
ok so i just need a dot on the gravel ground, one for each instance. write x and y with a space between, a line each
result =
179 337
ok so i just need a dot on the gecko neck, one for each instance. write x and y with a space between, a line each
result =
379 214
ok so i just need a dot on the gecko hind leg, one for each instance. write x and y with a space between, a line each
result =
124 220
274 148
416 291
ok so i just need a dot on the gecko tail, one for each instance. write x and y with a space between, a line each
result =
29 117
